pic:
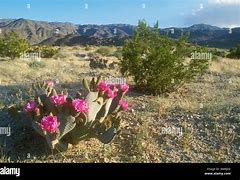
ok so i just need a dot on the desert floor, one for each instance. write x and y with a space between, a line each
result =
207 111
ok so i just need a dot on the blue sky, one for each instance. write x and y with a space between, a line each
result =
180 13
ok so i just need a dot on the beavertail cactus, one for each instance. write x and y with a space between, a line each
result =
63 119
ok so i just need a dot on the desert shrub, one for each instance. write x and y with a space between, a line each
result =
118 53
91 54
87 48
37 64
60 55
75 48
48 52
98 63
220 53
234 52
33 49
104 51
157 63
12 46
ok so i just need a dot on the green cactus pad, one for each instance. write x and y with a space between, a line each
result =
37 128
85 84
67 123
80 132
94 104
61 146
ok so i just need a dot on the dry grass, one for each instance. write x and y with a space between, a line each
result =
206 109
68 69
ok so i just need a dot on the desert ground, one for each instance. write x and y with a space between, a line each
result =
206 112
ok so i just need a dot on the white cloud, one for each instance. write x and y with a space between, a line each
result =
194 11
224 1
223 13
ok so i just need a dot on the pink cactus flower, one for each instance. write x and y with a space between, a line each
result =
49 123
123 104
102 86
111 86
30 106
58 99
80 105
124 87
111 93
115 92
49 83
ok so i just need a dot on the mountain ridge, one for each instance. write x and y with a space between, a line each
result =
66 33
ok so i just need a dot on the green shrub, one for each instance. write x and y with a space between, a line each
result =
157 63
217 53
220 53
118 53
75 48
87 48
91 54
37 64
48 52
12 46
104 51
234 53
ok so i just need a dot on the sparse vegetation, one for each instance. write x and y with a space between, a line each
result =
218 52
37 64
200 104
118 53
104 51
48 52
87 48
91 54
234 52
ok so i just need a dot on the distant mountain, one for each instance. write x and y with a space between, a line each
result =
106 31
213 36
207 35
4 22
36 31
203 27
57 33
113 34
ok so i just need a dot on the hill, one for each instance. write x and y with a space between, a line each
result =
57 33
